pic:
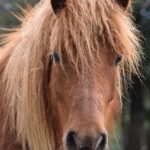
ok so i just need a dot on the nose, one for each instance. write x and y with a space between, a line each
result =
75 141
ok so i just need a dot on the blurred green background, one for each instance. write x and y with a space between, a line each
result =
133 133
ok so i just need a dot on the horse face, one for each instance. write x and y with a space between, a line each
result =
81 104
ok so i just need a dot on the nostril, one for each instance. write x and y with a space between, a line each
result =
102 142
75 141
70 140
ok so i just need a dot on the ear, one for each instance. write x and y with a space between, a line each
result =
124 3
57 5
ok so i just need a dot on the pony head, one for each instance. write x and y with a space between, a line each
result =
62 80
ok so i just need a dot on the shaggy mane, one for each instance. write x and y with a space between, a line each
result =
81 30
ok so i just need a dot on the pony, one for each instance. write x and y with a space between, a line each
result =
61 74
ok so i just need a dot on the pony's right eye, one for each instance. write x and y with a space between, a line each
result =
118 60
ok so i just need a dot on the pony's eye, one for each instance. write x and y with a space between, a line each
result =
55 57
118 60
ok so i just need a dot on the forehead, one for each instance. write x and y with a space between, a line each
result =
103 65
87 34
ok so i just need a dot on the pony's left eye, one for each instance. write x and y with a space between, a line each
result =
55 57
118 60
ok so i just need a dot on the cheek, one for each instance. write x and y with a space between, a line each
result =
64 111
55 97
109 85
60 111
113 112
61 102
113 103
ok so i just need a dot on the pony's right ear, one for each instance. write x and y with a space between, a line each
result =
124 3
58 5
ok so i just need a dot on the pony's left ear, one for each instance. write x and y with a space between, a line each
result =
124 3
58 5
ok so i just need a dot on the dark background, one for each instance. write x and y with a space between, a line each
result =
134 131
